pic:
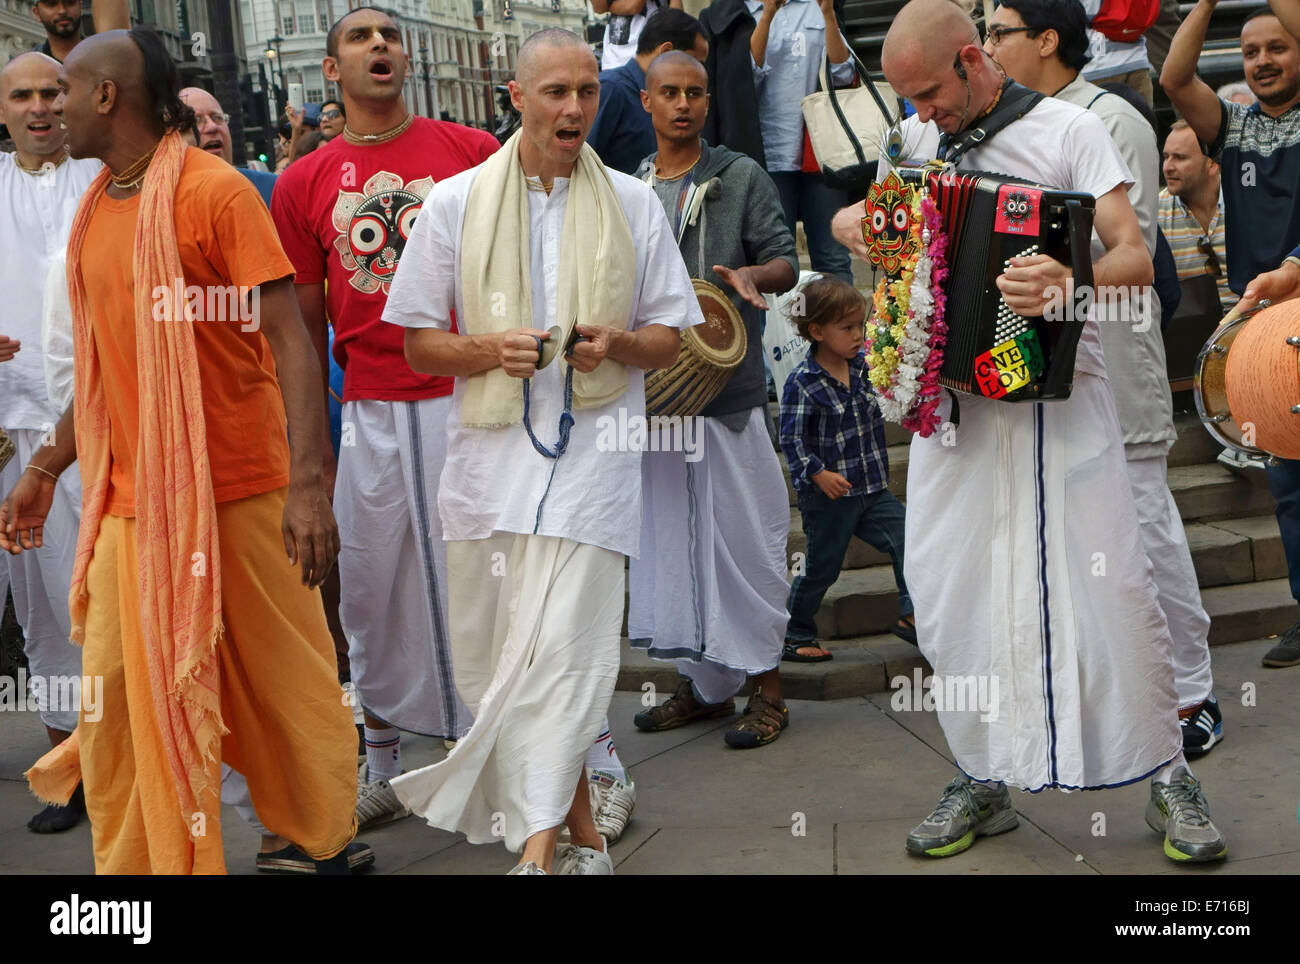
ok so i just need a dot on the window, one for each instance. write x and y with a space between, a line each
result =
324 23
306 23
315 95
287 24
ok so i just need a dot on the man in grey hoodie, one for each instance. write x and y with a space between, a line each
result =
709 588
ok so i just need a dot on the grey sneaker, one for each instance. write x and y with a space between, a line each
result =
1287 650
529 869
377 802
966 810
1179 811
576 861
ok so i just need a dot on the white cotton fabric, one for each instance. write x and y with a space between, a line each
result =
1026 564
40 581
393 564
710 586
56 335
535 623
1179 592
494 480
36 212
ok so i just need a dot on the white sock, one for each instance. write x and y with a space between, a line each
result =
1167 774
603 755
383 753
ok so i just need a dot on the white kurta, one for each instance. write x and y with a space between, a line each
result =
710 585
1024 553
535 546
36 212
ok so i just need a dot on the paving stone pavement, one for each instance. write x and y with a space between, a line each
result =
854 775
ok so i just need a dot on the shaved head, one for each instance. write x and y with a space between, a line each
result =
675 58
119 86
31 64
927 34
533 51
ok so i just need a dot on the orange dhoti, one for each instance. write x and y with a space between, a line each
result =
290 731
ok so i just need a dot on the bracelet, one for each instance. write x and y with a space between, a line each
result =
43 471
1291 260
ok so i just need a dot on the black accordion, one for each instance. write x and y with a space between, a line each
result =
991 351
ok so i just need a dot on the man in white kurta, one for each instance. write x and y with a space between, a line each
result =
39 191
535 544
1024 551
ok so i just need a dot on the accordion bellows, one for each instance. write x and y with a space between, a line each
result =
990 218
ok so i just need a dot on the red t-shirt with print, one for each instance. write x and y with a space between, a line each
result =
344 213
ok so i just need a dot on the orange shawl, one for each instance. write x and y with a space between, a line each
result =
176 531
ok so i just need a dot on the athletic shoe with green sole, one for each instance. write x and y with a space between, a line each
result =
966 810
1179 811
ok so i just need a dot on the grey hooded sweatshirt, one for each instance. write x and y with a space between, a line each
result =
740 223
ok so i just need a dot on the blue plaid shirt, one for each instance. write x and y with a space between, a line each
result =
825 425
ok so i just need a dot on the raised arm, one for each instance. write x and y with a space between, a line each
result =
1287 11
1191 96
111 15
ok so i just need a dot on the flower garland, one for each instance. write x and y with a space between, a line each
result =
907 334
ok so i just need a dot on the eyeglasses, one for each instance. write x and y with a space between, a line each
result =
219 119
1211 259
997 32
330 114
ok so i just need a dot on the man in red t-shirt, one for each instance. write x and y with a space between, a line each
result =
344 213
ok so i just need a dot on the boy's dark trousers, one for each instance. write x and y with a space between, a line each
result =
876 519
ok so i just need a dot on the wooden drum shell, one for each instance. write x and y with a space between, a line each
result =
710 353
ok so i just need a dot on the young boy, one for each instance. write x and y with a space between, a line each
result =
833 437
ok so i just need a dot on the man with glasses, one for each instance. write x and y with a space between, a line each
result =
332 118
212 134
1191 211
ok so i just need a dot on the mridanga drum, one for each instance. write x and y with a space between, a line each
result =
1247 382
710 353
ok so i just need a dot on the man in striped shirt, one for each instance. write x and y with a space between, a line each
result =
1191 210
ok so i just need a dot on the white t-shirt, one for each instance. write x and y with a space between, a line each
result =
494 480
36 212
622 34
1055 144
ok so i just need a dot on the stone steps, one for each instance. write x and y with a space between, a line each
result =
865 664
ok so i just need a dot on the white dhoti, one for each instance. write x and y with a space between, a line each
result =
1032 587
1177 588
392 564
535 622
709 588
40 581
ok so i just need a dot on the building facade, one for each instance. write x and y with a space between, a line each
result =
459 49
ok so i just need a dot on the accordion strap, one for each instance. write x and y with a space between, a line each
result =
1015 103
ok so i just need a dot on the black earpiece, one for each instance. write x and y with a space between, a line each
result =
958 66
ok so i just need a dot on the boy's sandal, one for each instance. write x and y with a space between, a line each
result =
790 652
762 723
905 630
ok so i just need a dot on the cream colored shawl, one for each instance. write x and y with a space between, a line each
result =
596 276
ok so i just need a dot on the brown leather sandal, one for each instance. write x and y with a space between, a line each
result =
762 723
679 709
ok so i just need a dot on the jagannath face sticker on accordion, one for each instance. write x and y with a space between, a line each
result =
942 238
